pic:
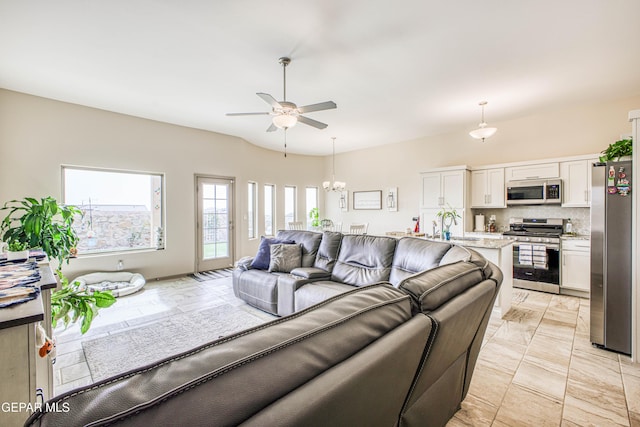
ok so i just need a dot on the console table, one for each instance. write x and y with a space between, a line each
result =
22 370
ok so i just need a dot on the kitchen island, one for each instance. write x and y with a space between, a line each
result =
499 252
495 248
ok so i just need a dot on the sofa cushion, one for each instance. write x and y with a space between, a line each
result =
285 257
414 255
229 380
328 251
262 258
432 288
364 259
310 241
315 292
455 254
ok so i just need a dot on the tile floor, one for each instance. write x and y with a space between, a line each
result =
536 367
157 300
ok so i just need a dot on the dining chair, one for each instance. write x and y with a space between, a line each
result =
337 226
358 229
326 225
296 225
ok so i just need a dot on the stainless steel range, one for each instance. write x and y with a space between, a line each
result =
536 253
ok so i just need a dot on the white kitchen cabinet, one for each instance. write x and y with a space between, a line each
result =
487 188
444 189
535 171
576 183
576 265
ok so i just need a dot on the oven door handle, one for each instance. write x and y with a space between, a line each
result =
552 246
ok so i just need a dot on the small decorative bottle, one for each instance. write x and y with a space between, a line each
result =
568 227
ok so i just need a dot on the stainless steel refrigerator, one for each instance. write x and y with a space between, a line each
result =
610 323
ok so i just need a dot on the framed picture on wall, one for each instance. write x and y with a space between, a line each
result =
367 200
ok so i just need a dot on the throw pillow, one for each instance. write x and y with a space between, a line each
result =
285 257
262 258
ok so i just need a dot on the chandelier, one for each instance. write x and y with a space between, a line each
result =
334 185
483 131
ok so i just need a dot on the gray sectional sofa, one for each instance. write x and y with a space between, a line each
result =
400 352
333 263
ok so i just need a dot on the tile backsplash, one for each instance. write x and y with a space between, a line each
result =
580 218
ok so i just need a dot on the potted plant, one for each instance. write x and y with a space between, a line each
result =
17 250
618 149
314 215
447 219
48 225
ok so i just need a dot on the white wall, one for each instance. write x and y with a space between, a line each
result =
38 135
585 129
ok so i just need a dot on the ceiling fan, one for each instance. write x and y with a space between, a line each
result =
286 114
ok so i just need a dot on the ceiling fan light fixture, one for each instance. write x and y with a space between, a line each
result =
284 121
483 131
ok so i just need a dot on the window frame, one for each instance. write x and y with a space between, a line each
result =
154 245
295 203
272 188
317 197
252 210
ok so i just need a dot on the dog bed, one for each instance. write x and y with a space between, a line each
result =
120 283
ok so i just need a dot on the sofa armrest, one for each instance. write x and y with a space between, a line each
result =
244 263
287 287
432 288
313 273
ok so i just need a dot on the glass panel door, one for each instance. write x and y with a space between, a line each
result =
214 228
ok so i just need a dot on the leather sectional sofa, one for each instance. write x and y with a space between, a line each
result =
400 352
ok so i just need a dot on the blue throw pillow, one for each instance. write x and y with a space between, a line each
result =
263 257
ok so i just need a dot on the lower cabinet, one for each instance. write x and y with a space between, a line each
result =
576 265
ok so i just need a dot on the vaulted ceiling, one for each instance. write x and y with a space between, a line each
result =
397 70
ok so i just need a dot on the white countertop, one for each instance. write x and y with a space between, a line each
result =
575 237
476 242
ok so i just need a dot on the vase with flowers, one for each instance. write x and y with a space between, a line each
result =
448 217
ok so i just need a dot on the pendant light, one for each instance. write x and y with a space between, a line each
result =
333 185
483 131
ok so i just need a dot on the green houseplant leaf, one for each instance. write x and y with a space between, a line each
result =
618 149
48 225
41 224
448 216
82 304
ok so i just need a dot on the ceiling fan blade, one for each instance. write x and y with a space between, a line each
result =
272 128
317 107
269 100
247 114
311 122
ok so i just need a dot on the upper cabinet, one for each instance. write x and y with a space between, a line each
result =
443 189
576 183
487 188
535 171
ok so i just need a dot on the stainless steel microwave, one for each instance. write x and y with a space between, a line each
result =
534 192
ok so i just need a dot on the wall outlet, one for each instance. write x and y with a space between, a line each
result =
120 265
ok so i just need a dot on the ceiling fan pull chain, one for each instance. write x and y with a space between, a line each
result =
285 142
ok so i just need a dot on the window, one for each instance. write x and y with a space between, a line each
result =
312 198
121 210
289 204
269 209
252 213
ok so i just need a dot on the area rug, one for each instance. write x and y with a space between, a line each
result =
134 348
203 276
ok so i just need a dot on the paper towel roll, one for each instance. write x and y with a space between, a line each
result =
479 223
